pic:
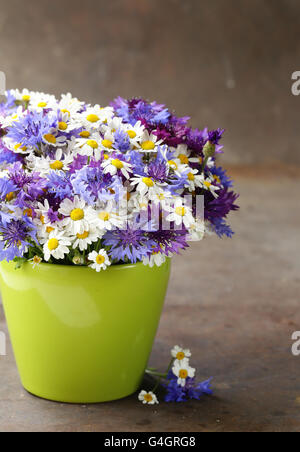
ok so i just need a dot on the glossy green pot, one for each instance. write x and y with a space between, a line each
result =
80 336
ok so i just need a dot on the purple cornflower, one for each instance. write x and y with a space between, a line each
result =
59 185
14 238
30 129
91 184
122 142
29 185
158 171
128 245
6 187
221 206
191 390
169 241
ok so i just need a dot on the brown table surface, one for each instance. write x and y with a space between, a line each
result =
235 303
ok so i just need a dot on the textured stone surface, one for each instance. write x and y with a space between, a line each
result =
236 304
224 62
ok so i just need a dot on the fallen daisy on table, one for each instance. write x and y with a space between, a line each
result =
178 380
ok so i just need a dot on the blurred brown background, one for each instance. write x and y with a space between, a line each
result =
226 63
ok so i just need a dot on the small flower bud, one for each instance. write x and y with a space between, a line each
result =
77 260
209 149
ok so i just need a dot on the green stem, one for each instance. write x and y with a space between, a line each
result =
163 376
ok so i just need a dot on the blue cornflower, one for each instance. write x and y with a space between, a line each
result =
221 228
158 171
122 142
30 129
128 245
221 174
191 390
58 183
91 184
29 185
6 187
15 236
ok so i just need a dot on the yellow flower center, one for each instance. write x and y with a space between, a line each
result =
42 104
42 219
37 260
107 144
100 259
83 236
50 138
148 398
104 216
19 146
62 125
92 118
183 373
180 356
148 145
28 212
93 144
10 196
26 98
66 111
131 134
172 164
49 229
85 134
191 177
217 179
57 165
105 156
117 163
207 184
180 211
53 244
183 159
77 215
148 181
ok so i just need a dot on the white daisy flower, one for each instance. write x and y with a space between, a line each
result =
147 186
95 116
182 154
112 166
70 105
182 370
41 101
108 218
43 165
78 215
148 398
180 214
180 353
21 96
52 139
82 241
135 133
56 246
100 260
197 231
18 148
149 142
195 179
156 259
35 261
15 117
88 143
107 143
208 184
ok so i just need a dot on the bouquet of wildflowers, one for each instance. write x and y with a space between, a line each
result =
92 186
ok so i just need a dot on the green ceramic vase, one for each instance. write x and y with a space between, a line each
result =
80 336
